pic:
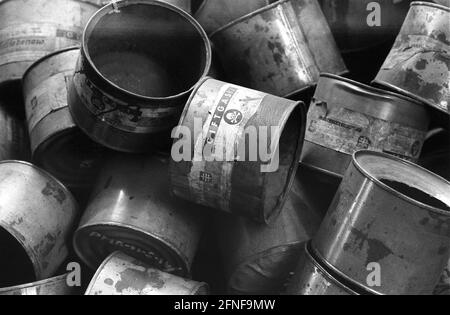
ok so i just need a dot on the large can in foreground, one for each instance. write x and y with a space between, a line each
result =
53 286
120 274
237 150
387 228
126 92
419 63
37 217
14 143
30 30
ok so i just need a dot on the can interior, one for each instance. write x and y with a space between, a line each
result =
147 49
15 266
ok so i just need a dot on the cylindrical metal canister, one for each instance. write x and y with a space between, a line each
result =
388 226
131 210
126 91
346 116
120 274
213 14
280 49
312 278
58 145
364 24
37 215
13 137
53 286
30 30
182 4
237 150
419 63
258 258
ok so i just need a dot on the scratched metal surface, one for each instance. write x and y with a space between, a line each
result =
54 286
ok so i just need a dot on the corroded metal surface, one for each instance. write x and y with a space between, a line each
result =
346 116
13 137
280 49
37 215
53 286
123 275
131 210
125 91
390 213
419 63
220 167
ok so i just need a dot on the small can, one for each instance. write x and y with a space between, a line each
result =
120 274
53 286
14 143
237 150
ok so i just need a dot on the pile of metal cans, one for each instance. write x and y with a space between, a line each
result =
224 147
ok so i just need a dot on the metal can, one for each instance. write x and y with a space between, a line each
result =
37 215
214 164
258 258
13 137
131 210
120 274
30 30
213 14
124 91
53 286
58 145
419 63
388 227
312 278
346 116
280 49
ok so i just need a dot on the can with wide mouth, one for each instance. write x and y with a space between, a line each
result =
419 63
53 286
346 116
14 143
258 259
237 150
131 210
213 14
30 30
388 228
58 145
280 49
126 92
37 215
312 278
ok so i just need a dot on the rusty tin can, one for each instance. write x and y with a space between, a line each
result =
13 137
124 91
131 210
58 145
120 274
258 258
237 150
30 30
346 116
280 49
53 286
213 14
392 216
312 278
419 63
37 215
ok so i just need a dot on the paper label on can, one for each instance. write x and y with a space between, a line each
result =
348 131
217 146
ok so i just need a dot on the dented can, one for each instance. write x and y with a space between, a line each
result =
390 217
53 286
58 145
214 165
419 63
346 116
280 49
124 91
37 214
312 278
13 137
213 14
258 258
132 211
121 274
30 30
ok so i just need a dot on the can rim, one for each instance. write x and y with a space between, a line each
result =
81 1
100 269
34 284
125 3
430 4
